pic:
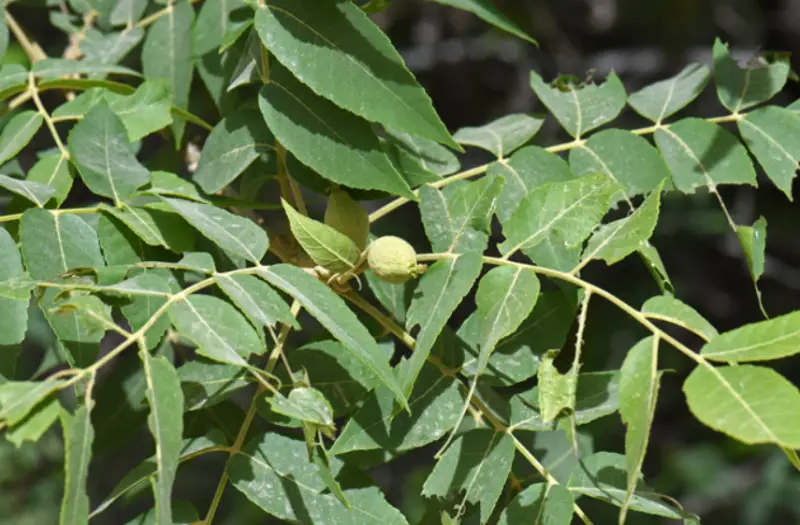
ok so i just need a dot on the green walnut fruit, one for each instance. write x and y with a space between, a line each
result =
348 217
394 260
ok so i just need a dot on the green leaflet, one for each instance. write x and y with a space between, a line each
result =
15 290
218 329
699 153
167 55
230 148
572 209
106 161
205 383
626 158
459 222
306 404
668 308
60 67
477 463
234 234
334 315
753 240
79 435
557 391
18 398
546 504
741 88
35 424
614 241
526 170
52 244
214 22
374 426
581 108
436 297
357 68
596 396
336 144
261 304
765 340
423 157
53 171
750 403
602 476
638 392
501 136
489 13
773 135
326 246
155 227
166 424
274 473
18 132
665 98
35 192
111 47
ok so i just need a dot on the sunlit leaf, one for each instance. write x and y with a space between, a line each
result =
544 503
668 308
773 135
750 403
35 192
501 136
356 67
326 246
665 98
740 88
771 339
582 108
18 132
261 304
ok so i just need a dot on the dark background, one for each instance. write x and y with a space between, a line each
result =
475 74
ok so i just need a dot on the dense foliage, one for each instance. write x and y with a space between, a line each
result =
340 344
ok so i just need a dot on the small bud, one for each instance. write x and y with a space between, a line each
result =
394 260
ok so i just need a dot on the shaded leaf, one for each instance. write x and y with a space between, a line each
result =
557 391
206 383
740 88
232 233
436 297
33 427
336 144
434 401
773 135
155 227
490 14
545 504
166 425
61 67
35 192
581 108
501 136
753 240
333 314
105 159
53 244
602 476
478 463
18 132
416 153
53 171
627 158
665 98
614 241
275 474
110 47
700 153
750 403
78 435
15 291
336 50
230 148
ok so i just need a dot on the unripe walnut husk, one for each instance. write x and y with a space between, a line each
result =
394 260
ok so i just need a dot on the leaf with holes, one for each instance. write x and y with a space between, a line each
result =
773 135
739 88
581 108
